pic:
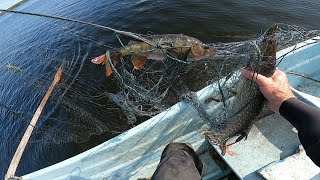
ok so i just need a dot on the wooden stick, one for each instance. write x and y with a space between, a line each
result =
17 156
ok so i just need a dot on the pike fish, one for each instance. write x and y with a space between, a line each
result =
177 46
249 101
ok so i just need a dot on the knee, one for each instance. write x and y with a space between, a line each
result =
177 146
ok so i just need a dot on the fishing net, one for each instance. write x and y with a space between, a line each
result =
161 84
87 102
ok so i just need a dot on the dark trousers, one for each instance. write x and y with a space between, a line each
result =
178 161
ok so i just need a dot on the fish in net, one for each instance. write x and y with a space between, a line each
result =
240 99
136 77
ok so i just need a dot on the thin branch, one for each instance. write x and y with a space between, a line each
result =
304 76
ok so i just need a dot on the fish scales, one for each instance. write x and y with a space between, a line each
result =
176 46
249 101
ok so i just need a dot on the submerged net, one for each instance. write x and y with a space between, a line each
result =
86 102
161 84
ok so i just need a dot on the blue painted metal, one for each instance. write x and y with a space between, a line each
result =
136 153
292 167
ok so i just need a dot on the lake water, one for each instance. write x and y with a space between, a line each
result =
27 42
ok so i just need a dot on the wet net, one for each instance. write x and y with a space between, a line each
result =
136 77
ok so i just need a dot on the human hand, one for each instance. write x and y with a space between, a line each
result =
276 89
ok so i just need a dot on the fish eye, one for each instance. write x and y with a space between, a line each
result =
206 47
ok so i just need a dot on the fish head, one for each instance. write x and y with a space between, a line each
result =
199 51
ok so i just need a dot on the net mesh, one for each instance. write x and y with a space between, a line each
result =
87 102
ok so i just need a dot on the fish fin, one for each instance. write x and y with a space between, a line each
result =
173 52
197 50
225 148
229 151
221 141
109 69
100 59
215 138
185 55
103 59
178 53
242 135
138 61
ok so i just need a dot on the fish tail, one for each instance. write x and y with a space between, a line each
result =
100 59
221 140
215 138
138 61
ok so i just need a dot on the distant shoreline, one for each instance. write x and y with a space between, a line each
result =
14 6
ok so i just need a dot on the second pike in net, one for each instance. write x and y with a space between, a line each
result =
249 101
173 46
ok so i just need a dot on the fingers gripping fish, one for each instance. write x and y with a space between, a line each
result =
249 101
248 104
177 46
